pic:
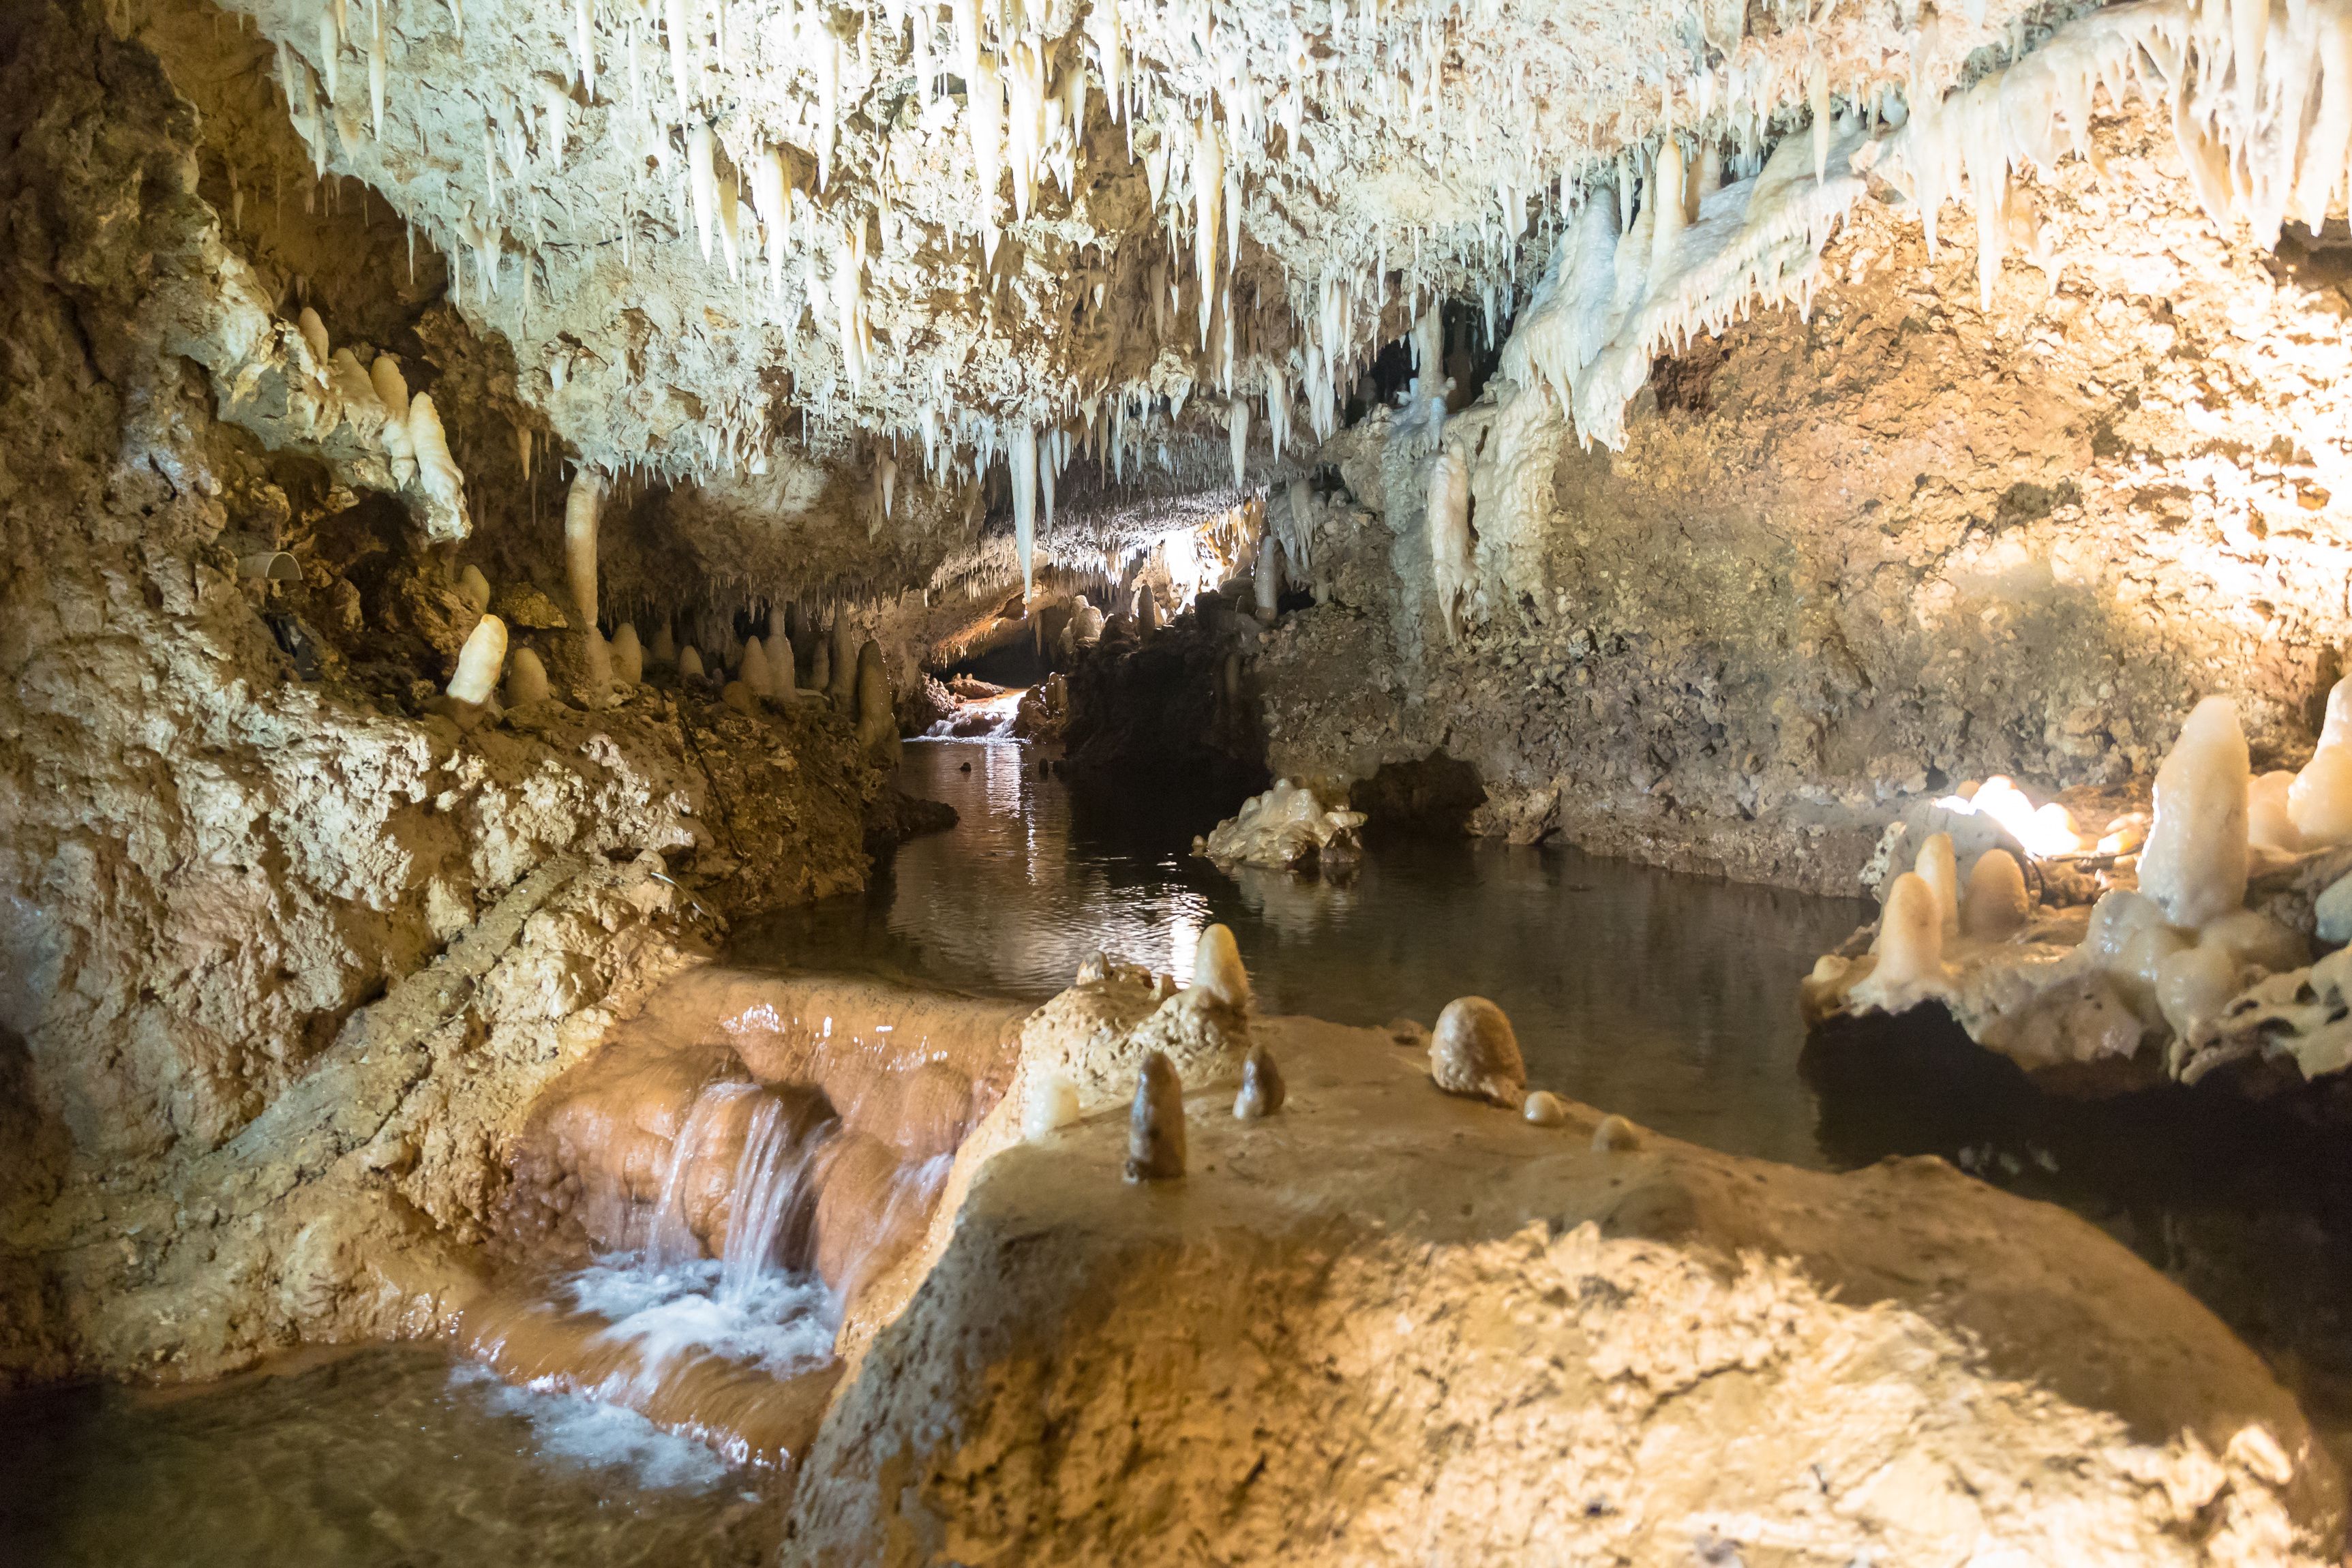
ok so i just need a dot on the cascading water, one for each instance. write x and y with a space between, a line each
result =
719 1346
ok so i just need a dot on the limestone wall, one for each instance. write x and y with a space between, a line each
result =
1845 559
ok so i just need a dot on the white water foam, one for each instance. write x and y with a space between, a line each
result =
571 1429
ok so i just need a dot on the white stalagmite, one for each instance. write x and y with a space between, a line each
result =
1266 581
314 333
479 661
580 508
1449 537
780 665
1667 197
474 587
1238 424
689 663
437 471
2319 801
2270 812
1021 461
629 654
664 650
1910 937
2194 865
1938 868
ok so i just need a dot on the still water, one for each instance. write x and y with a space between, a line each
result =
1669 999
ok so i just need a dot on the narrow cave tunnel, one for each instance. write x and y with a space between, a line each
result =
1092 783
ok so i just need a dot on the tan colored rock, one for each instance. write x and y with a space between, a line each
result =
1475 1052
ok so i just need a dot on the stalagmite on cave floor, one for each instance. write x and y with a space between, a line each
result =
1446 782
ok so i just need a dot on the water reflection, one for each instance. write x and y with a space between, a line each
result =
1669 999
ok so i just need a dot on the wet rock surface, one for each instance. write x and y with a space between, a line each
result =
1258 1331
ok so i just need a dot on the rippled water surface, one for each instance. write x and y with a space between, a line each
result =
380 1457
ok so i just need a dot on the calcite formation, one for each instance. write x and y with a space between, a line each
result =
2181 972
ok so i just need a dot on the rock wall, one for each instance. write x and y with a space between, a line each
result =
1845 561
238 851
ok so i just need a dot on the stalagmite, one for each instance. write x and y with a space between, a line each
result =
1262 1090
437 471
474 587
597 655
1910 944
689 663
1997 907
1049 1104
755 672
664 648
2319 802
1451 573
1217 971
2194 865
1155 1129
780 665
1544 1108
1475 1052
314 333
1941 871
629 654
841 672
479 661
1238 424
580 508
525 678
1266 583
821 669
877 718
2270 815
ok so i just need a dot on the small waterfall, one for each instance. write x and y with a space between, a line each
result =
670 1239
771 1204
732 1197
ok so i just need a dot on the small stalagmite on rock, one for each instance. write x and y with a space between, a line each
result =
1475 1052
1155 1128
1262 1090
1217 968
525 678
